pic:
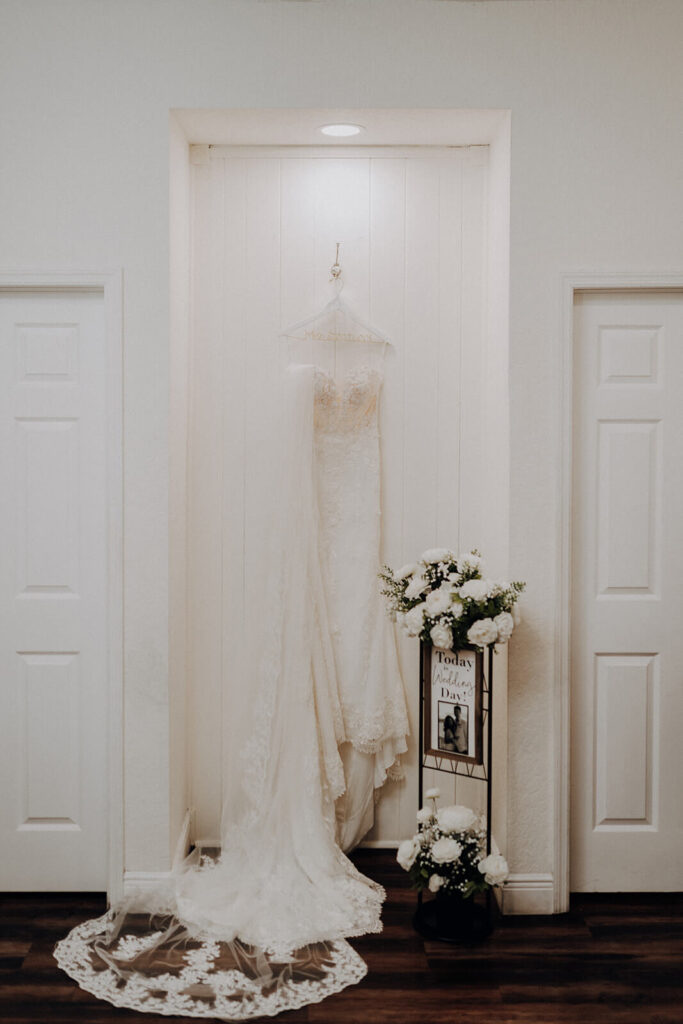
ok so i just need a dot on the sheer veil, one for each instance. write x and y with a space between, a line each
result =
261 928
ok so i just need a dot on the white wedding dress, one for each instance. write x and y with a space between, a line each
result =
347 477
262 928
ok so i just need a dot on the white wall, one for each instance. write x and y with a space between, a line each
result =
594 88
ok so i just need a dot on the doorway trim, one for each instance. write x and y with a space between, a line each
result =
110 284
570 283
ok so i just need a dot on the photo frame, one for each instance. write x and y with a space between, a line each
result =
453 717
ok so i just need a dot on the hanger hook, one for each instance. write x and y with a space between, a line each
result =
336 269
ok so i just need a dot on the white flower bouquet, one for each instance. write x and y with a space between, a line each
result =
447 854
445 601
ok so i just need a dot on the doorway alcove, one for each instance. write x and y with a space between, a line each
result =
258 200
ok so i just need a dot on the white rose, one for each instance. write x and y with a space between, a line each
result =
456 818
435 883
494 868
445 851
456 608
433 794
504 624
424 815
474 590
438 601
469 562
407 852
407 570
413 620
482 632
415 587
441 636
433 555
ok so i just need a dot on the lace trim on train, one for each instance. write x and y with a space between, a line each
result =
202 978
368 731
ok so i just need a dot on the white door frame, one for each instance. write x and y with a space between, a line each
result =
571 282
110 284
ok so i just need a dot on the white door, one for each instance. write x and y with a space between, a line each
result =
53 587
627 600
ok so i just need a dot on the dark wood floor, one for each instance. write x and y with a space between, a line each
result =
611 960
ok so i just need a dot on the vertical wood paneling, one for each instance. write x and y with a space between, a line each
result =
261 325
230 439
449 350
387 275
342 214
204 504
473 359
420 408
264 240
298 274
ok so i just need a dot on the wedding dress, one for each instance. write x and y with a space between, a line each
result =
347 465
262 928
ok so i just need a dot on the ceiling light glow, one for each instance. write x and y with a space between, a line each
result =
341 130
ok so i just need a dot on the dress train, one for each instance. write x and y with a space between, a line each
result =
263 928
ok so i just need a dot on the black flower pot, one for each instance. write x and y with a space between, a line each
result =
451 918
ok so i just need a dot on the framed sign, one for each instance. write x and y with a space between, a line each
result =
453 704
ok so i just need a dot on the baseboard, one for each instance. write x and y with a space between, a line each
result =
147 881
143 881
379 844
521 894
529 894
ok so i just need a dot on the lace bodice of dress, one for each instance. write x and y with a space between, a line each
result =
349 405
348 472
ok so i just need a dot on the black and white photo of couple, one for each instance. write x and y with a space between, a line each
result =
453 728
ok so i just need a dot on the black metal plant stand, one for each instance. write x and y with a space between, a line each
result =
425 919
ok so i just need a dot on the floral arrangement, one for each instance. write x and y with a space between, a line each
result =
445 601
448 852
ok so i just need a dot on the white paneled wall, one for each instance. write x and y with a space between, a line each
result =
265 224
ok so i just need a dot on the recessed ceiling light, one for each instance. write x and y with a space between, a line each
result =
341 129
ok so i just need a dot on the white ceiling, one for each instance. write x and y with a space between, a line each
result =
300 127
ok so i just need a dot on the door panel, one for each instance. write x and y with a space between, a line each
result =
53 586
627 592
